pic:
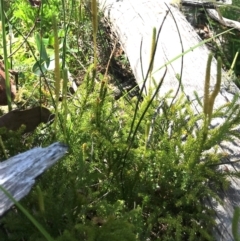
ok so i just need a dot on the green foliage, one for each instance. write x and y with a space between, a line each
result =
136 170
40 67
235 222
23 15
7 78
13 142
168 181
232 44
112 229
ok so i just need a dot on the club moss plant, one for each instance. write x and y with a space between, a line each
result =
138 169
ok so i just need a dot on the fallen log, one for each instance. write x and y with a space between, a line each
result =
212 13
224 21
18 174
204 3
133 22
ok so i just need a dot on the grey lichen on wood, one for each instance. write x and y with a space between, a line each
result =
18 174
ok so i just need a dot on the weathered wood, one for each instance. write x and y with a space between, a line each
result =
18 174
133 22
212 13
224 21
204 3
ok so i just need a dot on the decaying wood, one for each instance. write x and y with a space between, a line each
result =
224 21
212 13
204 3
133 22
18 174
30 118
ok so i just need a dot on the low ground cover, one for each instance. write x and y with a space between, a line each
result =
138 167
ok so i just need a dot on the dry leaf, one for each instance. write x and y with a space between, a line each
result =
31 118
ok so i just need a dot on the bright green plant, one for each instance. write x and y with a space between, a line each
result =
24 16
169 180
41 65
210 98
136 170
28 215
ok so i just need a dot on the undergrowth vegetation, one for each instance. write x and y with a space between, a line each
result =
137 168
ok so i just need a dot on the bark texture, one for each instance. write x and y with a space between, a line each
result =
18 174
133 22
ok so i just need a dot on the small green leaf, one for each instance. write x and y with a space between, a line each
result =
39 68
61 33
51 40
41 49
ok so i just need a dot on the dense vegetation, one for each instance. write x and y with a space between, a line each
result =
137 168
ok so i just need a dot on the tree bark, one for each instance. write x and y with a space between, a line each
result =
133 22
213 14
